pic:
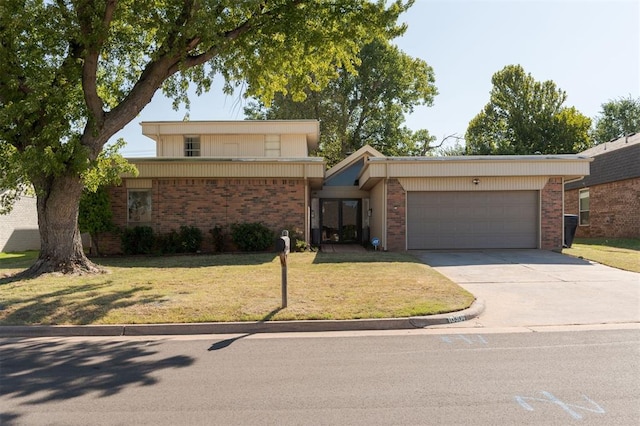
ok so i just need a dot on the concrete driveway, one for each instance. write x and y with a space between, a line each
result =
537 287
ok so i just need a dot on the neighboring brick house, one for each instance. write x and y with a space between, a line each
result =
210 174
19 228
608 200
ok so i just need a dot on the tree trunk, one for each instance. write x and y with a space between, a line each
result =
60 242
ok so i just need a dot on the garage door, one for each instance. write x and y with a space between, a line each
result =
472 220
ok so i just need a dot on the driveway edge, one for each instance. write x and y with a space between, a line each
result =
242 327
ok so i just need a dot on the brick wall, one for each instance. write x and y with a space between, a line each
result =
396 216
551 218
613 210
206 203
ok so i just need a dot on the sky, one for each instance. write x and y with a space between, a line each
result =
589 48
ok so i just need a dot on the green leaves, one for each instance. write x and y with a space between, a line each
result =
617 118
525 116
363 106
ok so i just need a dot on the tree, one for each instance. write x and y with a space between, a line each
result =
363 108
525 116
74 72
617 118
94 214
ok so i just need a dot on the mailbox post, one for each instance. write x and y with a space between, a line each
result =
283 247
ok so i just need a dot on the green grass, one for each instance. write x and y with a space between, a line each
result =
619 253
240 287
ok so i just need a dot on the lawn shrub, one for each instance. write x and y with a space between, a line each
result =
217 233
168 243
252 236
137 240
190 239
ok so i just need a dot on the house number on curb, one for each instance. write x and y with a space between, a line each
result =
459 318
570 409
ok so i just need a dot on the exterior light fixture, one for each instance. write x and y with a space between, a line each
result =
475 181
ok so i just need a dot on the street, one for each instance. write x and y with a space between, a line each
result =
433 376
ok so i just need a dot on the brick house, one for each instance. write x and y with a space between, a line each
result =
208 174
607 201
19 228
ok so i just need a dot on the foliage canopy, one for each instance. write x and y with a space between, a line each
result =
617 118
74 72
363 108
525 116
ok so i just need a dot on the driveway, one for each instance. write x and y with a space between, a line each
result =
537 287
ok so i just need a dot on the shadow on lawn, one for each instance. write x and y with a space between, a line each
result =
364 257
81 304
186 260
38 372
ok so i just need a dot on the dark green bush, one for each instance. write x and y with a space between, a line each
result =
252 236
169 243
190 239
218 239
137 240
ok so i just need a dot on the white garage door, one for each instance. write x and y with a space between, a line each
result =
472 220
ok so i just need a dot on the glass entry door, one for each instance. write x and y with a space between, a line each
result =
341 221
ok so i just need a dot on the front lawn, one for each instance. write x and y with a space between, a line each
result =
621 253
233 287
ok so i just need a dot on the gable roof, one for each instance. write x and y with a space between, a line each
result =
364 152
612 161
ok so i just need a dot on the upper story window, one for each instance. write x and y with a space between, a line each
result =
584 206
272 146
192 146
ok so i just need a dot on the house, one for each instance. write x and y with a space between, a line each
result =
19 228
217 173
607 201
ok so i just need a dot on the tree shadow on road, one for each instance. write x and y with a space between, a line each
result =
45 370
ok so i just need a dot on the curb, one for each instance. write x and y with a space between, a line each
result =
476 308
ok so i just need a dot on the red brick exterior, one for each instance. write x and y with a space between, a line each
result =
613 210
551 217
206 203
396 216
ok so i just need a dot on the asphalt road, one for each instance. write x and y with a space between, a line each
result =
431 377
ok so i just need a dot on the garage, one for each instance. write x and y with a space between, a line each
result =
472 220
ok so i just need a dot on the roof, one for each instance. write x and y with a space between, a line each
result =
567 166
612 161
365 151
310 128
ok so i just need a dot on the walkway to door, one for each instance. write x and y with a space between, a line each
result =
342 248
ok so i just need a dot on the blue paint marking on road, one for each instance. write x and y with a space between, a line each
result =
470 340
568 408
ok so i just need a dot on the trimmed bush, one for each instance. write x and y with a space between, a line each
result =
252 236
218 239
190 239
137 240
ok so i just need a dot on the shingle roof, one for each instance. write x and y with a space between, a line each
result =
612 161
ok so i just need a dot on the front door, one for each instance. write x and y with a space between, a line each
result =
341 221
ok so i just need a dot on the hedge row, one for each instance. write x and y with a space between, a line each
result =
247 237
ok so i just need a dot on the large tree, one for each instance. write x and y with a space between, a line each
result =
617 118
363 108
525 116
74 72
